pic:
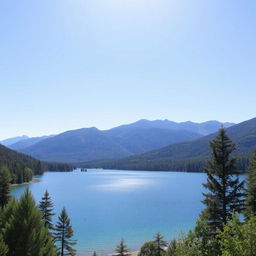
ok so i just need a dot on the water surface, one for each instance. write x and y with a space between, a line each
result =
105 206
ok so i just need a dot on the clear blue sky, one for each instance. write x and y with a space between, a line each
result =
67 64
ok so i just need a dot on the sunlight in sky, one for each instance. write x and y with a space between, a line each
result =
126 12
103 63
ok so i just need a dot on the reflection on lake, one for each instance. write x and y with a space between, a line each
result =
105 206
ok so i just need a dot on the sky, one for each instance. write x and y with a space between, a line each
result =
68 64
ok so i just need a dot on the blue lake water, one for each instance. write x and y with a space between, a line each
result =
105 206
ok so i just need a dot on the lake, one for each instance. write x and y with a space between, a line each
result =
105 205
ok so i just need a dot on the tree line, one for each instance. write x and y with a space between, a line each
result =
23 167
28 229
226 227
195 164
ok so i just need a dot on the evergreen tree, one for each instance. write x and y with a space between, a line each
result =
251 189
5 179
160 243
3 247
172 247
25 233
225 191
94 254
198 242
63 235
28 174
122 249
46 207
148 249
6 213
238 239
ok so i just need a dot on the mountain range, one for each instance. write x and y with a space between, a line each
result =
27 142
89 144
13 140
186 156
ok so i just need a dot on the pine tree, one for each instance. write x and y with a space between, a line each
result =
7 212
225 191
25 233
46 207
5 179
3 247
94 254
172 247
238 239
160 243
148 249
251 189
122 249
63 234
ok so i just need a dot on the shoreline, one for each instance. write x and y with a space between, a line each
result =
25 183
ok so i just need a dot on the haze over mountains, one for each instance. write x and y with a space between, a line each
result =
186 156
11 141
27 142
91 144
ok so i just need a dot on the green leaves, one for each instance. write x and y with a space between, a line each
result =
3 247
63 235
225 192
149 249
122 249
251 189
238 239
46 207
160 243
24 232
5 179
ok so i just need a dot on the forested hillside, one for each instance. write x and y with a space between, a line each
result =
23 167
187 156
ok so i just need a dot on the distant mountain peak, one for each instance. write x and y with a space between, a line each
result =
139 137
9 141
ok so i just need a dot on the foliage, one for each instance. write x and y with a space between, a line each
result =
172 248
46 207
251 188
238 239
122 249
198 242
5 179
149 249
160 243
63 235
24 232
224 189
22 167
3 247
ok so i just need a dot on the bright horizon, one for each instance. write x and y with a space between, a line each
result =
39 135
69 64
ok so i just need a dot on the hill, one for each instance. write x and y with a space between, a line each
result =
18 164
186 156
13 140
91 144
76 145
27 142
203 129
